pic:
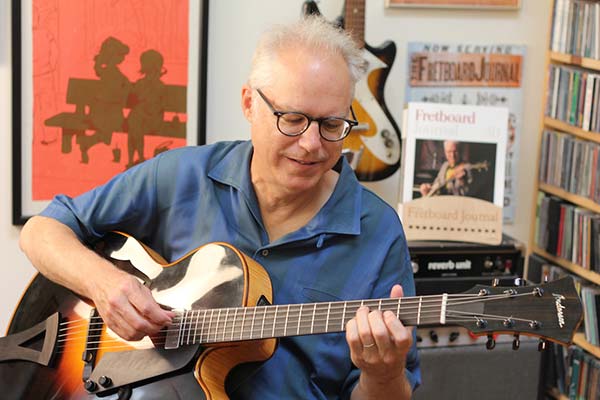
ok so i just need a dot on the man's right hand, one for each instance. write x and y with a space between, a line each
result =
127 306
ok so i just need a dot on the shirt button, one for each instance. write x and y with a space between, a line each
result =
265 253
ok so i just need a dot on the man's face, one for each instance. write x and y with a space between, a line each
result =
451 152
305 81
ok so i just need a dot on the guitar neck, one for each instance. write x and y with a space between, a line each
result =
354 20
250 323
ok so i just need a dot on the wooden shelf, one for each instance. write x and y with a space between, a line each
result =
580 341
568 265
573 130
590 277
570 197
570 59
555 394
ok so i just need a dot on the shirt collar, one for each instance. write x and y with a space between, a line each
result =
340 214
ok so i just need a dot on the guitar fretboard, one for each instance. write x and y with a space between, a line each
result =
250 323
354 20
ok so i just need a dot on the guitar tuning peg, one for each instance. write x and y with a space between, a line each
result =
520 282
542 345
495 282
491 342
516 342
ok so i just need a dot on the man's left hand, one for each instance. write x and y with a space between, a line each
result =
379 344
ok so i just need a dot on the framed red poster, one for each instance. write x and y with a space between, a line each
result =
100 86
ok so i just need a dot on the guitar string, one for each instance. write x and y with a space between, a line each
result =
120 344
404 302
318 322
263 315
318 312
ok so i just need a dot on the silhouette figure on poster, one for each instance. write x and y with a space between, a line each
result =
101 106
106 108
147 101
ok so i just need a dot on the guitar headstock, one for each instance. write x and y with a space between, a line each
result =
550 311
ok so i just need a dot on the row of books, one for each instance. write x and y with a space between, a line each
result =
571 370
571 164
588 293
568 231
583 375
542 270
590 297
576 28
574 97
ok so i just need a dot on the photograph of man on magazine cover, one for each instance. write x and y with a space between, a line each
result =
456 168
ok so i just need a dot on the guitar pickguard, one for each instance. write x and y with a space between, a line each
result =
378 124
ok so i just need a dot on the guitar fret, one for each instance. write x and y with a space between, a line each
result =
242 328
419 311
312 324
262 325
196 327
327 319
181 337
190 337
190 333
299 318
443 309
202 327
234 321
209 325
188 327
287 313
252 324
225 326
274 321
343 317
398 310
216 330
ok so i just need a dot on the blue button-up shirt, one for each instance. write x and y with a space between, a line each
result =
354 248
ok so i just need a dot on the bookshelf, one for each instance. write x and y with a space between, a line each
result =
568 159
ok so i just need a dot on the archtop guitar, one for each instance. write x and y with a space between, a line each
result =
59 348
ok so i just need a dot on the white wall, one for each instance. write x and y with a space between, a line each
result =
234 28
15 271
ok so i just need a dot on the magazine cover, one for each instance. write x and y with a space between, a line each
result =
472 74
454 150
453 177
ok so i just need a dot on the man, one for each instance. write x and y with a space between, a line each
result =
286 199
454 176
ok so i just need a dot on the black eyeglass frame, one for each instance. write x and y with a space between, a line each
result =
310 119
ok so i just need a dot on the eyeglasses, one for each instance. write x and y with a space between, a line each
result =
295 123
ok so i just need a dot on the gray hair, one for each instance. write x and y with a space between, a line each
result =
311 31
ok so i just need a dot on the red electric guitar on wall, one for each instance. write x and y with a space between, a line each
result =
373 147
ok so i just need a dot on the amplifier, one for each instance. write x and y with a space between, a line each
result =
435 259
